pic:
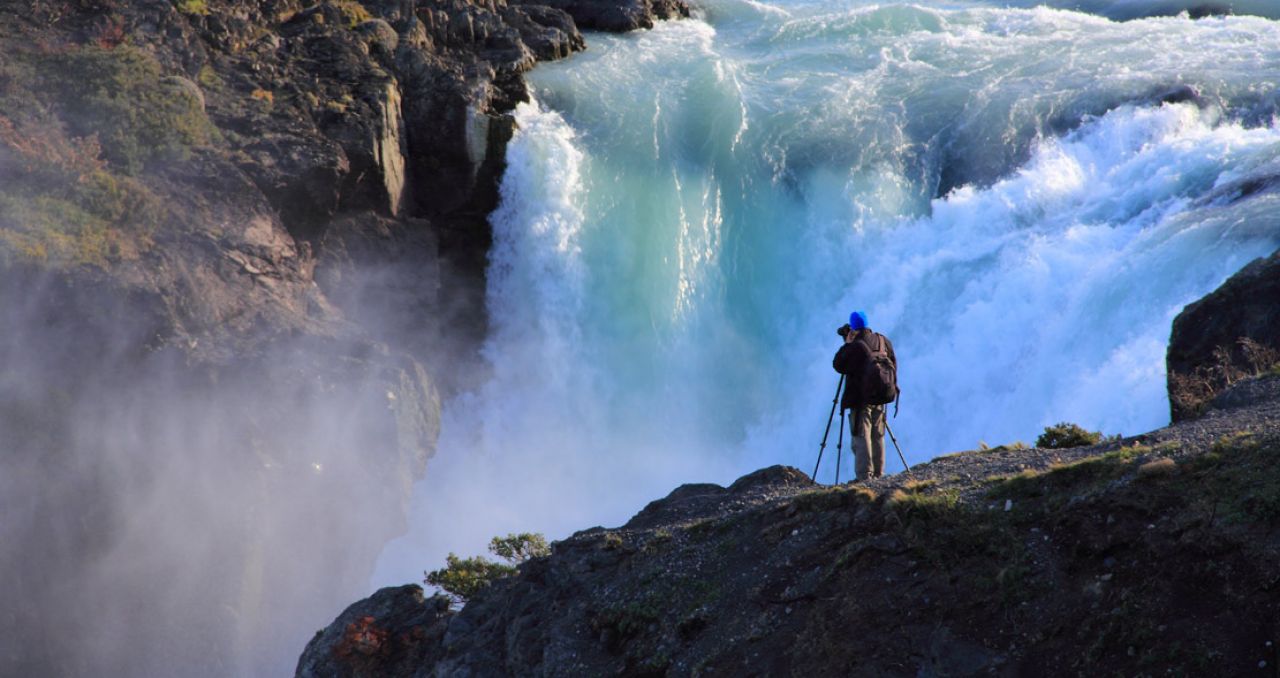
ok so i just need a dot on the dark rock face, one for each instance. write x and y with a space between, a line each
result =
617 16
1091 561
242 247
1230 334
359 641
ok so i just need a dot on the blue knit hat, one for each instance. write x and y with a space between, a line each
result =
857 320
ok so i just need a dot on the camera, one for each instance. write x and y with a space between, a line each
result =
843 330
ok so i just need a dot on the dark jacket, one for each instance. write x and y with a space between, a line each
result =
852 358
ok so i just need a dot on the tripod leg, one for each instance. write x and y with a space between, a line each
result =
839 440
899 449
827 432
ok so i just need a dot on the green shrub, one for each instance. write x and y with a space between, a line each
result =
517 548
199 7
60 204
118 95
1064 435
463 578
353 13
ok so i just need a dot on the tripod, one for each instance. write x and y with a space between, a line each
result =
840 438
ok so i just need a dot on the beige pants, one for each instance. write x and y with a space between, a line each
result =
867 425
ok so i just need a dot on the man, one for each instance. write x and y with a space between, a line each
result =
870 368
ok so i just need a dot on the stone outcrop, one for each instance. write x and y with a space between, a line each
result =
1231 334
360 640
616 16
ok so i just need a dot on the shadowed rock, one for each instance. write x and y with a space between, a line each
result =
1232 333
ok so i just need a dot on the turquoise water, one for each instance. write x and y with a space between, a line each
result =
1022 199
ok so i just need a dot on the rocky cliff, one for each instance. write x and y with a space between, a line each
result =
1149 555
241 258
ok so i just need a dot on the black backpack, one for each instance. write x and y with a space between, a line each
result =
879 379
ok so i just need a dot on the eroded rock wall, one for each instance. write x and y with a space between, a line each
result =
242 246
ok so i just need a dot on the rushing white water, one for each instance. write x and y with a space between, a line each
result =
690 212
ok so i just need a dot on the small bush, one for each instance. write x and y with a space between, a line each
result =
118 95
517 548
194 7
353 13
462 578
60 204
1240 441
208 77
1065 435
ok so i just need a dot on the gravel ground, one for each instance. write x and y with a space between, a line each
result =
1252 405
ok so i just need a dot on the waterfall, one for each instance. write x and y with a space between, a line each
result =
1022 199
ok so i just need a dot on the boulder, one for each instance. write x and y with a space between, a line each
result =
387 634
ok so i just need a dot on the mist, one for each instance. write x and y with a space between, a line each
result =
171 516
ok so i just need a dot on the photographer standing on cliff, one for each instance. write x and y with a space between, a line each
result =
871 382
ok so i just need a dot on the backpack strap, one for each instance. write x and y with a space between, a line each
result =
896 396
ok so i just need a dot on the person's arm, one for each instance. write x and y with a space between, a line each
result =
841 361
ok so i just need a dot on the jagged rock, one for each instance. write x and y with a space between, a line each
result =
1228 335
387 633
549 33
618 17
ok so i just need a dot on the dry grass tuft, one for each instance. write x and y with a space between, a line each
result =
864 493
1158 468
918 486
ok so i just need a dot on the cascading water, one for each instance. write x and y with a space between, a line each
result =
1022 199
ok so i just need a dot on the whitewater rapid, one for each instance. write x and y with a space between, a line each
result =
1022 199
